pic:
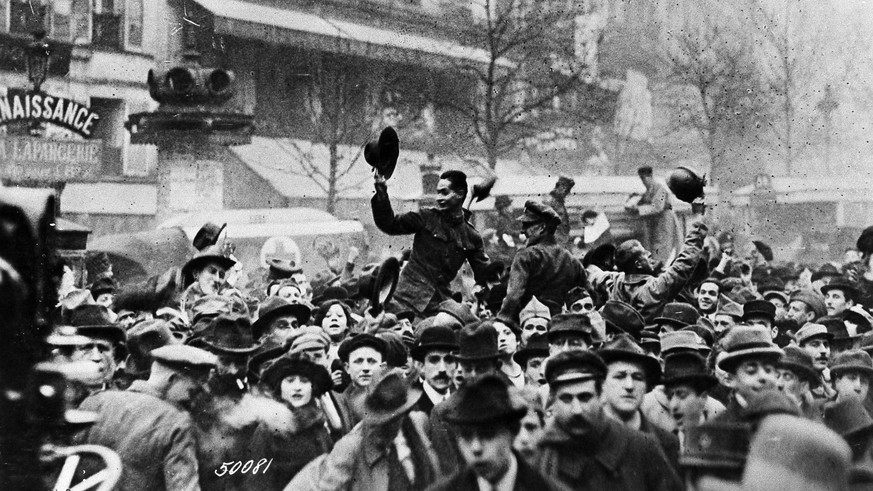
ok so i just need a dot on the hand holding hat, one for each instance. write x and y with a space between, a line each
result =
382 154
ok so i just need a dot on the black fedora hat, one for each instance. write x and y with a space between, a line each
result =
477 341
686 184
759 308
95 321
389 397
274 307
382 154
623 348
537 345
434 337
800 362
207 236
484 401
357 341
690 368
483 189
202 258
230 334
621 317
848 287
379 285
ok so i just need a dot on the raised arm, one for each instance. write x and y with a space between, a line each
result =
384 217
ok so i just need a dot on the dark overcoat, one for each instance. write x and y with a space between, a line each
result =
527 479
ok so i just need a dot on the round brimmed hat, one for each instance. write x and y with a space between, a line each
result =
230 334
681 340
622 317
848 287
678 314
142 339
358 341
812 299
717 444
851 361
743 342
801 363
389 397
382 155
274 307
477 341
211 254
432 338
95 321
826 270
812 330
574 366
537 345
623 348
848 417
207 235
687 368
484 401
284 366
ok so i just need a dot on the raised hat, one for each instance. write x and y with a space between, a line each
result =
184 356
382 154
572 323
483 189
686 184
717 444
207 236
537 345
485 400
623 348
285 366
434 337
765 250
477 341
574 366
742 342
230 334
759 308
847 417
678 314
389 397
851 361
687 368
622 317
812 299
536 212
534 309
210 254
357 341
826 269
801 363
274 307
382 289
812 330
849 287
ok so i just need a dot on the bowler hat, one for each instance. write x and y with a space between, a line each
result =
574 366
95 321
434 337
274 307
207 236
358 341
262 360
801 363
211 254
812 299
678 314
865 241
382 154
623 348
851 361
281 268
537 345
826 270
687 368
759 308
743 342
812 330
389 397
571 323
477 341
142 339
860 317
483 189
765 250
686 184
848 417
230 334
717 444
284 366
536 212
848 287
622 317
485 400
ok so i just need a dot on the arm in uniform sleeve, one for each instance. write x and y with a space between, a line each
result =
518 276
387 221
478 261
659 202
180 464
668 283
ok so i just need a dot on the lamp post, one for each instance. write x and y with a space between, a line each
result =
38 54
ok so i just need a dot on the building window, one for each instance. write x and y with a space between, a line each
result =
25 16
107 23
134 19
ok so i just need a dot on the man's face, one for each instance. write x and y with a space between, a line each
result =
792 385
211 277
576 407
282 327
752 377
507 343
534 325
317 356
852 385
335 323
404 328
565 342
820 349
362 365
624 387
437 369
530 434
707 297
101 352
447 199
723 322
582 306
535 370
487 450
644 263
105 299
291 293
781 308
836 302
686 405
799 312
759 321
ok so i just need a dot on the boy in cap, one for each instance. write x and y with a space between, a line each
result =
851 372
583 447
543 268
796 377
486 417
749 362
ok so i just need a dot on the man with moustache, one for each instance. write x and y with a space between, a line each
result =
147 426
816 340
584 448
749 362
434 357
797 375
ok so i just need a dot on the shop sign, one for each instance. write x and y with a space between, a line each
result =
18 106
28 158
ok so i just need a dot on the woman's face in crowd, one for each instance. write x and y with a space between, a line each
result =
507 343
296 390
210 278
335 322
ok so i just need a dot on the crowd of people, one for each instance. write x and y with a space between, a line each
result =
621 371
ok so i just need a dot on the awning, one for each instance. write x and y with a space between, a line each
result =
283 26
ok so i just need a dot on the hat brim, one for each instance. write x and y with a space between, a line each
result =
671 322
475 420
483 356
703 381
731 360
522 356
837 370
386 283
200 261
413 394
851 289
807 373
230 351
298 310
383 155
650 364
782 296
418 352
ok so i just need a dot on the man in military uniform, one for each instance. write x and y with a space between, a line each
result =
146 424
543 268
557 203
444 239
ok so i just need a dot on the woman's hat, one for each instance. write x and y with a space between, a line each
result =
389 397
484 401
285 366
852 360
207 236
622 317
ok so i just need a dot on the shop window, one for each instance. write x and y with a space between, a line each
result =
26 16
106 24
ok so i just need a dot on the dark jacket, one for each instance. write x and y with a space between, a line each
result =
668 441
646 293
558 203
545 270
441 245
614 457
527 479
155 439
443 438
350 404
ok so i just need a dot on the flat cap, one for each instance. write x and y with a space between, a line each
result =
180 355
574 366
811 299
536 212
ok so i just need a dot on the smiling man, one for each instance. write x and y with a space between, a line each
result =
444 240
749 362
707 297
